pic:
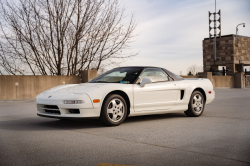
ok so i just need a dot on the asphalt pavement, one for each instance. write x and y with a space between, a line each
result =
221 136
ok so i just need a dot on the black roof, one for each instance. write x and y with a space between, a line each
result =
169 73
139 66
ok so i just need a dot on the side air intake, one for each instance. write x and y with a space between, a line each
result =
182 94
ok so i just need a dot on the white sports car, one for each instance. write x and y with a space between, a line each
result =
127 91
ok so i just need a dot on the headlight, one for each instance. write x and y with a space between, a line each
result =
73 101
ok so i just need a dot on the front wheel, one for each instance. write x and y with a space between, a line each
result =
196 104
114 110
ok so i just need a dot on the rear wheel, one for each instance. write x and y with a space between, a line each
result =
114 110
196 104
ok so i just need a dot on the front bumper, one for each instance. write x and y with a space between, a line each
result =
84 113
65 112
52 105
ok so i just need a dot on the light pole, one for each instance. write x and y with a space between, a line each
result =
237 32
236 42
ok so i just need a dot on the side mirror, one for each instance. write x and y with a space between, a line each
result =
145 81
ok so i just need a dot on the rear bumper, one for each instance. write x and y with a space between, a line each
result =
210 96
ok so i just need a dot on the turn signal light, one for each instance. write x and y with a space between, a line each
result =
96 100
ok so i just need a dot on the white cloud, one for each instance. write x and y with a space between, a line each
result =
171 32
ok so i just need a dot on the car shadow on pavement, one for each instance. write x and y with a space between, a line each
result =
135 119
34 123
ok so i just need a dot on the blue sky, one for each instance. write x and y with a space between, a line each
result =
171 31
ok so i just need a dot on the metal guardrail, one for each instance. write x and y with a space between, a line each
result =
247 73
220 73
217 73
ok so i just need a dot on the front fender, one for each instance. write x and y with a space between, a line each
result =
103 91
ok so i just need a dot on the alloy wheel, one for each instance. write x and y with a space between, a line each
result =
115 110
197 103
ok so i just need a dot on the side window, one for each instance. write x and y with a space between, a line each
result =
155 74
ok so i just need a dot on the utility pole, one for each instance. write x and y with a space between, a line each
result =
215 28
215 34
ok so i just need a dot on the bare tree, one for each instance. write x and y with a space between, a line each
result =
62 37
194 69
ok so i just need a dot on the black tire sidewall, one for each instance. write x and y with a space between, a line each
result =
104 114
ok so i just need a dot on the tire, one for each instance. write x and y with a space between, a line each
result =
114 110
196 104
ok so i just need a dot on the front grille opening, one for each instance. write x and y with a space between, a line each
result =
52 112
74 111
51 106
182 94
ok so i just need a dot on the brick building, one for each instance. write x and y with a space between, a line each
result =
229 53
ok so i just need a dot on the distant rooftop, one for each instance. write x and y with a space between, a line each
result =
226 36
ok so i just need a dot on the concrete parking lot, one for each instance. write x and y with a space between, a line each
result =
221 136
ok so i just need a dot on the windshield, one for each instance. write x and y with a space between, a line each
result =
124 75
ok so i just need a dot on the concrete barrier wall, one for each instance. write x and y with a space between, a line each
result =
88 75
30 86
219 81
223 81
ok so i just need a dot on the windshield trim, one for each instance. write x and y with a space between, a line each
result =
98 77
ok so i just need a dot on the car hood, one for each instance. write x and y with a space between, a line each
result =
73 89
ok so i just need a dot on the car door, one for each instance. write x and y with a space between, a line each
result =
159 95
